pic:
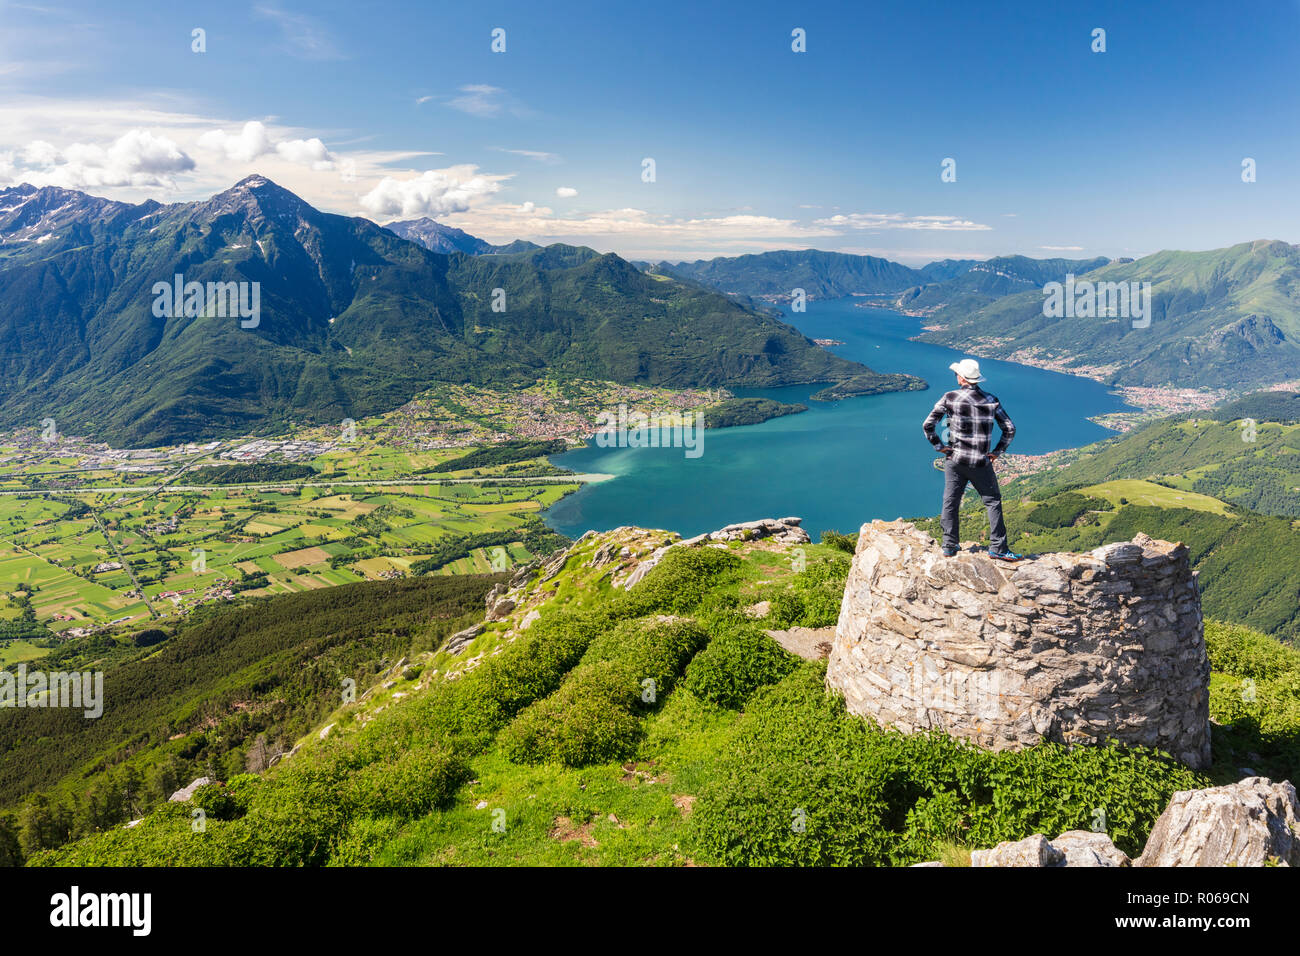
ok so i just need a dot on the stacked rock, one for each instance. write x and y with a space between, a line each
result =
1066 647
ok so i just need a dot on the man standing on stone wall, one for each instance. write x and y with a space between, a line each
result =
971 412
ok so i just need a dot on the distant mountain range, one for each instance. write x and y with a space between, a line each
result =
436 237
822 275
983 282
830 275
354 319
357 318
1225 318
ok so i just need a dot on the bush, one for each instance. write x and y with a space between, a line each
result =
591 719
363 839
1064 510
739 660
805 783
843 542
530 669
813 599
681 580
412 785
653 649
150 637
596 715
1254 702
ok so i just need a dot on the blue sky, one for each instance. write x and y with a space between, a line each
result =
394 110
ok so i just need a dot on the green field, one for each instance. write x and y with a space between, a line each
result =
184 546
1156 496
15 652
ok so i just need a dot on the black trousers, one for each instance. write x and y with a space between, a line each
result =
986 485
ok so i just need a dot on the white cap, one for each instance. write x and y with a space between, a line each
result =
969 369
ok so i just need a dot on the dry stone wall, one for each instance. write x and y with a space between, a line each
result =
1075 648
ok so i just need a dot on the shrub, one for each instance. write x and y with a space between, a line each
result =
411 785
591 719
843 542
595 716
1254 702
1060 511
150 636
739 660
362 839
803 782
681 580
813 598
652 649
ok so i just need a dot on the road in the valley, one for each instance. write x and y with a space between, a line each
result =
147 490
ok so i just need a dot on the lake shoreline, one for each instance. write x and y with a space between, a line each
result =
842 462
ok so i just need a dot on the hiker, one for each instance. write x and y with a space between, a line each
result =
971 413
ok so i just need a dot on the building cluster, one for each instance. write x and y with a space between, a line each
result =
263 448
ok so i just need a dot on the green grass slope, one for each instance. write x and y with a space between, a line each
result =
661 726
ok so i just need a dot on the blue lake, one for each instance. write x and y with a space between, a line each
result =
838 464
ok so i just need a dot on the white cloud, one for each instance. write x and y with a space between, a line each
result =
306 152
242 147
45 126
438 192
566 192
875 220
304 37
254 141
480 99
636 232
1062 248
533 154
138 158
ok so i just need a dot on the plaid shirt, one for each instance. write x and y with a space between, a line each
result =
971 413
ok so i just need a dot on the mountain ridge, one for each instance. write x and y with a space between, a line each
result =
355 320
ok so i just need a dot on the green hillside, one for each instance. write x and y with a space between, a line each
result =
1203 456
993 279
225 693
822 275
542 746
1221 318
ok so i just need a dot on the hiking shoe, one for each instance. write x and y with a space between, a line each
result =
1006 555
950 552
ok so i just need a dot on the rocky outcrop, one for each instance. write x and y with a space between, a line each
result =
1072 848
462 639
1247 823
1253 822
186 793
1075 648
780 530
1031 851
497 603
783 531
810 643
1086 848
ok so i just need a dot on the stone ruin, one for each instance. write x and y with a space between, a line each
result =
1074 648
